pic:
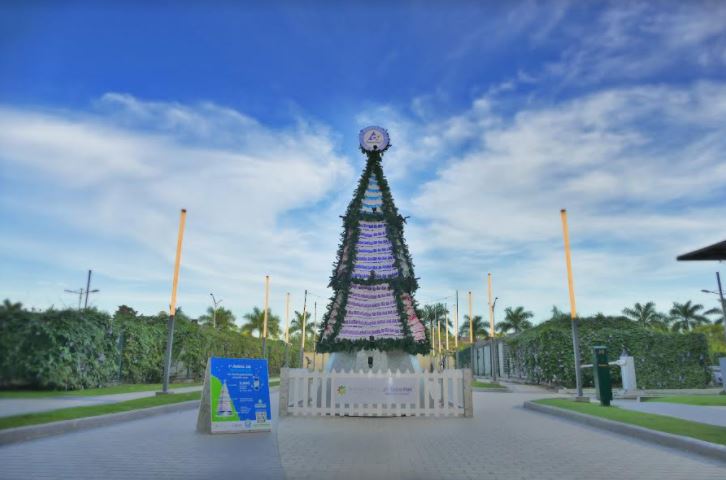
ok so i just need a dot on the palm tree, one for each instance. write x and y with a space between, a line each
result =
311 328
9 307
480 329
646 315
719 314
430 313
223 320
255 322
686 316
515 319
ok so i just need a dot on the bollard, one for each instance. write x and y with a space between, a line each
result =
601 374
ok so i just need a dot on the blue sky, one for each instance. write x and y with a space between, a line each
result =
113 118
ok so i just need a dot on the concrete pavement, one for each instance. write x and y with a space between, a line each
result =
160 447
20 406
502 441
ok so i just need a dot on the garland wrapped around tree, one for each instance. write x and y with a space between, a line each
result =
373 282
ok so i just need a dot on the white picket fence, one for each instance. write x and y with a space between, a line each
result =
349 393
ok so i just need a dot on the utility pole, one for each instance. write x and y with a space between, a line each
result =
287 329
719 293
88 290
573 307
471 335
723 303
492 345
214 312
495 358
456 326
78 292
302 339
267 308
315 321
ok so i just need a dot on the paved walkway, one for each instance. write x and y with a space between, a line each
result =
159 447
696 413
19 406
502 441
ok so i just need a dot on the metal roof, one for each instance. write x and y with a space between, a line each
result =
717 251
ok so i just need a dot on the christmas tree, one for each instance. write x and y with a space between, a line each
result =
373 282
224 407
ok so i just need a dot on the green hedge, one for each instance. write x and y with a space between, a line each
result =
544 353
68 349
57 349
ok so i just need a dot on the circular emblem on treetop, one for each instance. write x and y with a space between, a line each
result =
373 139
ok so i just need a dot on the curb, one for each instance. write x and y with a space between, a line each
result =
31 432
688 444
497 390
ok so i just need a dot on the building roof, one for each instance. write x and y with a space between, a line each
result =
717 251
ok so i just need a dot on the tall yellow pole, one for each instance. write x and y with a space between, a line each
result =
172 304
438 330
471 321
264 321
446 327
491 308
177 261
287 317
302 340
568 260
573 307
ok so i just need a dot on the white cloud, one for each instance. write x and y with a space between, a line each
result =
640 169
121 174
634 40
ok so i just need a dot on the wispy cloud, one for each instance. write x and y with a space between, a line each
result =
640 169
121 173
629 41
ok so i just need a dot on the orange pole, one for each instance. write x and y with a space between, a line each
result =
568 260
177 261
491 308
471 321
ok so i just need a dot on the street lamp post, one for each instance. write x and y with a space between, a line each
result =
720 294
214 311
494 355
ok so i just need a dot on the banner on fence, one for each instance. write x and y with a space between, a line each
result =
375 390
239 394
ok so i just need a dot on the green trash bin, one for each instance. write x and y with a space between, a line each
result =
601 374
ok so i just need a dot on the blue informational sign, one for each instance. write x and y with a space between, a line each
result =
240 395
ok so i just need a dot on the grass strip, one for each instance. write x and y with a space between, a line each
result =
478 384
91 392
662 423
701 400
94 410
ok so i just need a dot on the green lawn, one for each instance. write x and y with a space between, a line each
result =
662 423
478 384
94 410
703 400
124 388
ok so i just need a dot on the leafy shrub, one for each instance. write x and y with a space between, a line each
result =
544 353
69 349
57 349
